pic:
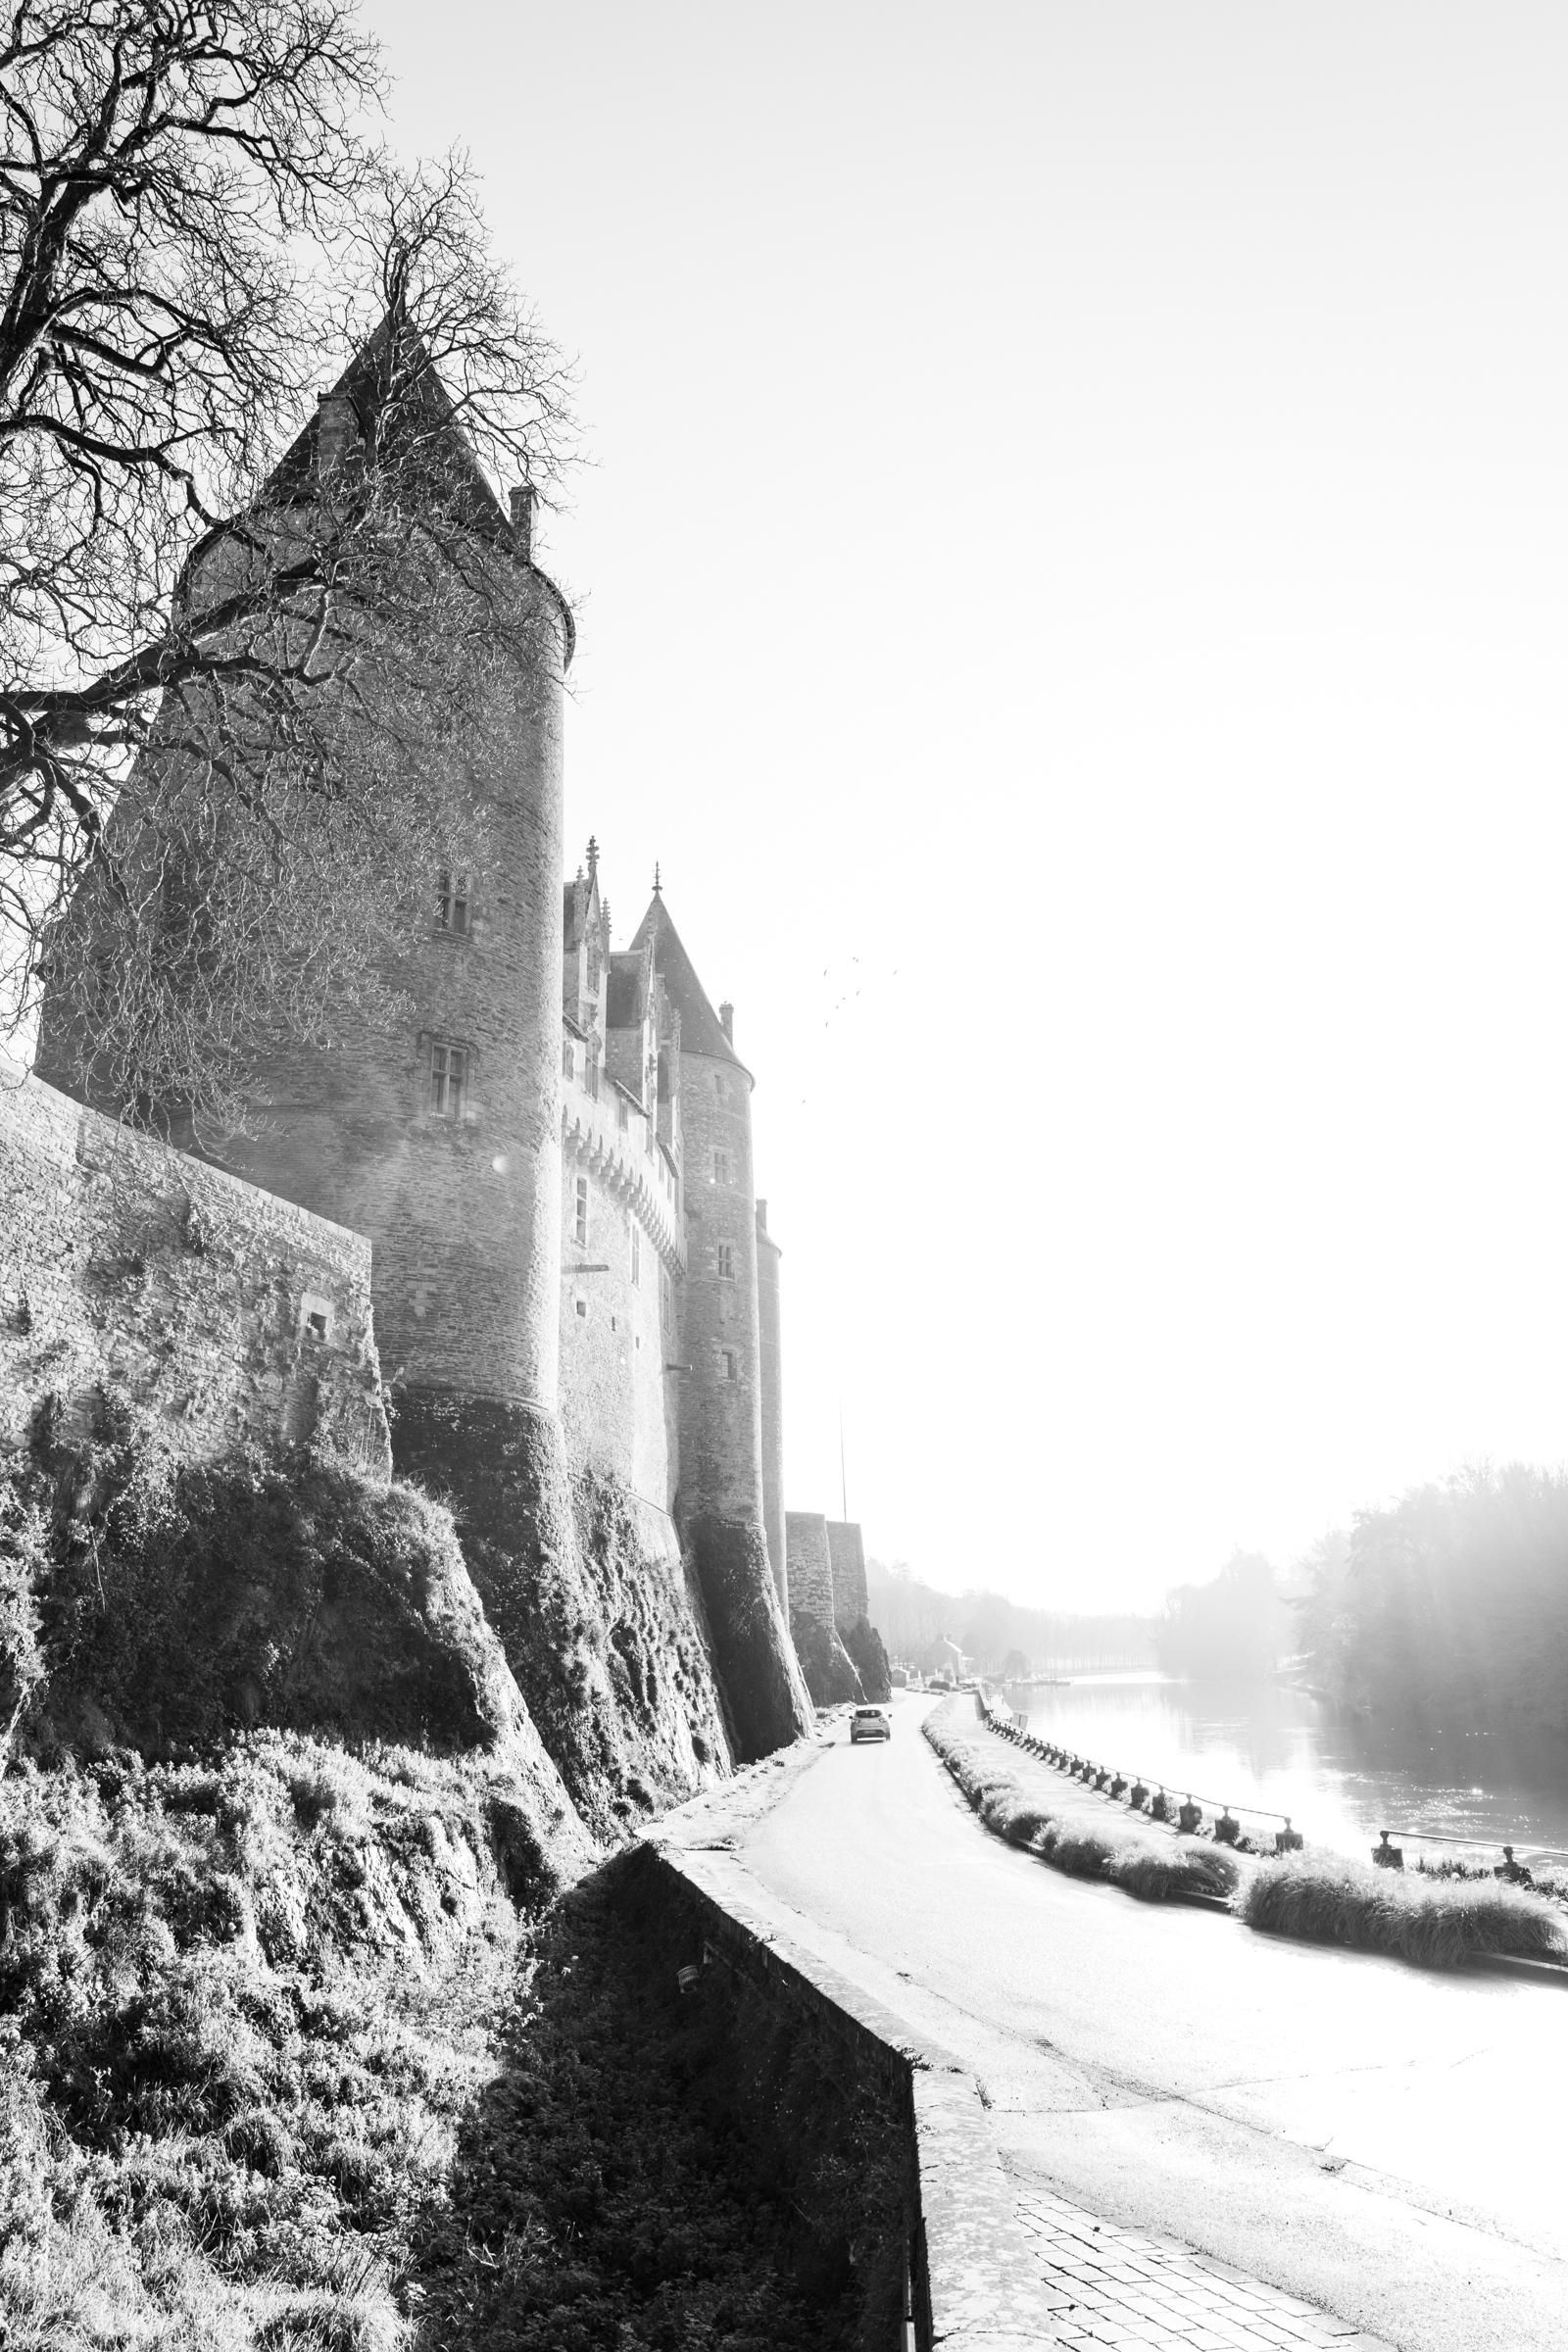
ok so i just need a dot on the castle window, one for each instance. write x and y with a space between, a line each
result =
449 1070
623 1114
636 1257
728 1364
582 1308
453 903
316 1317
579 1230
568 1060
725 1258
722 1167
591 1072
666 1304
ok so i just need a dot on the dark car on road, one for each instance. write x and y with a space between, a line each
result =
869 1723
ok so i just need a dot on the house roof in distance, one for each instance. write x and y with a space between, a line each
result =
701 1029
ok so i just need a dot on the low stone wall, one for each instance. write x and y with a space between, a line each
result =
975 2284
135 1279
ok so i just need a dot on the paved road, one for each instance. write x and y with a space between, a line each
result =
1383 2141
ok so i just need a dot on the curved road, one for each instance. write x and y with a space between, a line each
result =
1383 2141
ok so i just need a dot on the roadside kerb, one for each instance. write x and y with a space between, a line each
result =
976 2285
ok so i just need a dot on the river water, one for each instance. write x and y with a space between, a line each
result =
1278 1749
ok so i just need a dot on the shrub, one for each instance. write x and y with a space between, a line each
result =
194 2118
1157 1873
1435 1922
1085 1853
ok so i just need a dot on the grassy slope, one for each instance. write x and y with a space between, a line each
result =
1320 1896
244 2008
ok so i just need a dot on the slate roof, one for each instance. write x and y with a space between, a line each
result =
701 1030
433 443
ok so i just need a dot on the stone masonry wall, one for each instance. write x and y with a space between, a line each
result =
771 1363
619 1406
461 1196
132 1276
846 1553
830 1674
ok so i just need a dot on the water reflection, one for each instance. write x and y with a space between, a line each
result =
1279 1749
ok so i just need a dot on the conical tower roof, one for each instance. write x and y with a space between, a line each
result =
701 1029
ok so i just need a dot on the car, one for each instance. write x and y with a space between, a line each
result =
869 1723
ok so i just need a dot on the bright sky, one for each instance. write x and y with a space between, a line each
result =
1073 580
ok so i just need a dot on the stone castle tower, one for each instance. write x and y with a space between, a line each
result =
551 1156
529 1049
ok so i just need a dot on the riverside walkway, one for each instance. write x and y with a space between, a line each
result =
1216 2138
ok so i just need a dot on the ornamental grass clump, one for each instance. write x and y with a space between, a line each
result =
1157 1873
1059 1833
1436 1923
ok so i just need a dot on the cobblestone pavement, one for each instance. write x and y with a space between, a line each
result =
1107 2285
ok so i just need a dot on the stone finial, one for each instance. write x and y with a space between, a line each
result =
658 887
592 859
726 1021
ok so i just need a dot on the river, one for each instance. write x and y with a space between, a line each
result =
1268 1746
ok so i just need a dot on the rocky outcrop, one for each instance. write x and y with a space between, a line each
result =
852 1621
869 1658
603 1634
769 1702
175 1605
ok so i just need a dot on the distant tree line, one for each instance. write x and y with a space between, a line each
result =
1001 1636
1449 1610
1236 1625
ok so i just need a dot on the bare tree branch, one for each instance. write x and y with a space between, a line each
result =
217 642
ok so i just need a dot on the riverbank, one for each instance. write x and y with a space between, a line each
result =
1314 1895
1266 1749
1372 2138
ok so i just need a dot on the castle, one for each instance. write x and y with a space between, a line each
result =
572 1274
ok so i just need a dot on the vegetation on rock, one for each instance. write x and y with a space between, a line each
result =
243 2009
609 1645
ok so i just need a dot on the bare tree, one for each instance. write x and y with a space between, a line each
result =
247 644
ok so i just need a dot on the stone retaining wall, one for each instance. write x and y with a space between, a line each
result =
135 1280
975 2284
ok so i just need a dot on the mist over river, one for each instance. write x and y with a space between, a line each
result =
1264 1745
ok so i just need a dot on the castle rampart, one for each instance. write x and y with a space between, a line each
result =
846 1553
770 1337
828 1669
622 1259
135 1280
